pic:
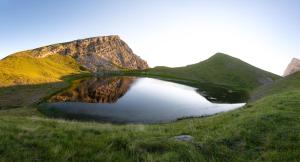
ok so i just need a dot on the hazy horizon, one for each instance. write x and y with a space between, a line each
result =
173 33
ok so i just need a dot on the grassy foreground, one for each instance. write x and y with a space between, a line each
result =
264 130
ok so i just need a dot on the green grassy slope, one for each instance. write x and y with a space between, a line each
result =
265 130
220 69
21 68
289 83
25 80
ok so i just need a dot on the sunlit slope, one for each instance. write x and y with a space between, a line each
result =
21 68
221 69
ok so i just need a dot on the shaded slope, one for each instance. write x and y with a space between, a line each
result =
221 69
287 84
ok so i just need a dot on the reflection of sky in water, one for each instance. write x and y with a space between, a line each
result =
148 101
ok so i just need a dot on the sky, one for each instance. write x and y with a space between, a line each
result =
264 33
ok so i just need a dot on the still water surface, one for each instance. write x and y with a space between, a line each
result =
131 100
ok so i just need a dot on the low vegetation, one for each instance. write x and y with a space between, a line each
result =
289 83
220 69
266 129
25 80
22 68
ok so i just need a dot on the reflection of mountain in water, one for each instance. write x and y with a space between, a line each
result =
96 90
221 94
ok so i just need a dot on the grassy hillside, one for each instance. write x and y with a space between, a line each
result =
265 130
220 69
21 68
25 80
289 83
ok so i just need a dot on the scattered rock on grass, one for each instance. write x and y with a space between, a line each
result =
184 138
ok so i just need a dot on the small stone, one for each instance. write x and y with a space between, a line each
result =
184 138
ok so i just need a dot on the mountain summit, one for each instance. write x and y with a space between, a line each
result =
51 63
96 54
293 67
221 69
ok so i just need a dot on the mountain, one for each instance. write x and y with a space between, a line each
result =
96 54
220 69
293 67
49 63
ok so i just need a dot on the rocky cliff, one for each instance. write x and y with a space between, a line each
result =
293 67
96 54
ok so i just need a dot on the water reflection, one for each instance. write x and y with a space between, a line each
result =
132 100
96 90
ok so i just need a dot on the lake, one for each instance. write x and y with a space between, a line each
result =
125 99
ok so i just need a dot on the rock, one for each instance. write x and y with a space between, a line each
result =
184 138
96 54
293 67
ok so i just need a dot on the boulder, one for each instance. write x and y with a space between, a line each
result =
293 67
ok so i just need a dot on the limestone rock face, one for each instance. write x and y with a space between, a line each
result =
97 53
293 67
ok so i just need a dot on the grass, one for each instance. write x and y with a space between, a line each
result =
220 69
26 95
32 94
289 83
25 80
22 68
267 129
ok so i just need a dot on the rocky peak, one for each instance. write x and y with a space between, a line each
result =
97 53
293 67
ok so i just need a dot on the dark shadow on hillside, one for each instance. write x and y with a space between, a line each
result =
220 94
30 94
213 92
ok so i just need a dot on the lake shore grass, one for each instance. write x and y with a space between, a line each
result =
267 130
15 96
264 130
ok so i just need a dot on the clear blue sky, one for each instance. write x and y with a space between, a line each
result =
265 33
